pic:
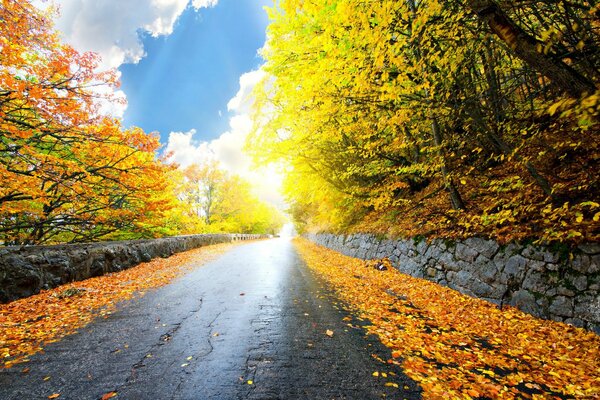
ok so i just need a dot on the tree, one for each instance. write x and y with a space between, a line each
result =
68 172
415 109
531 50
213 200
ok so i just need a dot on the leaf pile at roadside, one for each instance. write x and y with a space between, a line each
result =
459 347
26 325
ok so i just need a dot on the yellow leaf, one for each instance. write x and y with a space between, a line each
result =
375 374
250 382
329 333
391 384
109 395
54 396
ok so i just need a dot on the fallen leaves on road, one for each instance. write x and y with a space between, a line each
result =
109 395
329 333
26 325
458 347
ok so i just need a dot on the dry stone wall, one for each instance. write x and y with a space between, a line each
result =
26 270
558 284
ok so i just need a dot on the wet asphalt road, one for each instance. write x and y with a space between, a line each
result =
257 313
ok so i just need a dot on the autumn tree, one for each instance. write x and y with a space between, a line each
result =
203 188
68 172
420 110
212 200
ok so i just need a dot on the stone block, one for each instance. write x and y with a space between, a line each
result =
465 253
486 248
515 266
535 281
525 301
581 263
580 283
561 306
590 248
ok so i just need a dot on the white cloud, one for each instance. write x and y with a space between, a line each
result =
204 3
111 28
228 148
242 101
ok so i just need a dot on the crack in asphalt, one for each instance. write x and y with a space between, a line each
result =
210 335
163 339
273 335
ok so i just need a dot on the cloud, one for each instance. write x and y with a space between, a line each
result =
112 28
204 3
228 149
242 101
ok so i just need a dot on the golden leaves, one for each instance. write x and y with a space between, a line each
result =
28 324
356 89
455 346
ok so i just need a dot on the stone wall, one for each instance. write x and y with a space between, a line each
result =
26 270
560 284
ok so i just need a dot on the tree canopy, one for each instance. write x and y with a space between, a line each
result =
70 172
435 116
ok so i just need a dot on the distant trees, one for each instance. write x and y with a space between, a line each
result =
212 200
435 116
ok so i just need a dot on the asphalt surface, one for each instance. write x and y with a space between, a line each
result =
255 314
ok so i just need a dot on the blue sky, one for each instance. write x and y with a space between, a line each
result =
182 62
187 78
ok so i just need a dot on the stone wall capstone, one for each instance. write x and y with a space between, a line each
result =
25 270
551 284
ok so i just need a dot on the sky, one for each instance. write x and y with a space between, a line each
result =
187 68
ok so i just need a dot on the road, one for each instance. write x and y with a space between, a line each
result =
255 314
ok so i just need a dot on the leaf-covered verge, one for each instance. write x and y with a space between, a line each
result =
458 347
27 325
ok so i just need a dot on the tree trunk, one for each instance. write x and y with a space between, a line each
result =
525 47
455 198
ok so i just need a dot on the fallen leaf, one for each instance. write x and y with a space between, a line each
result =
250 382
329 333
42 323
189 358
54 396
109 395
26 370
391 384
376 374
184 365
485 352
46 378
